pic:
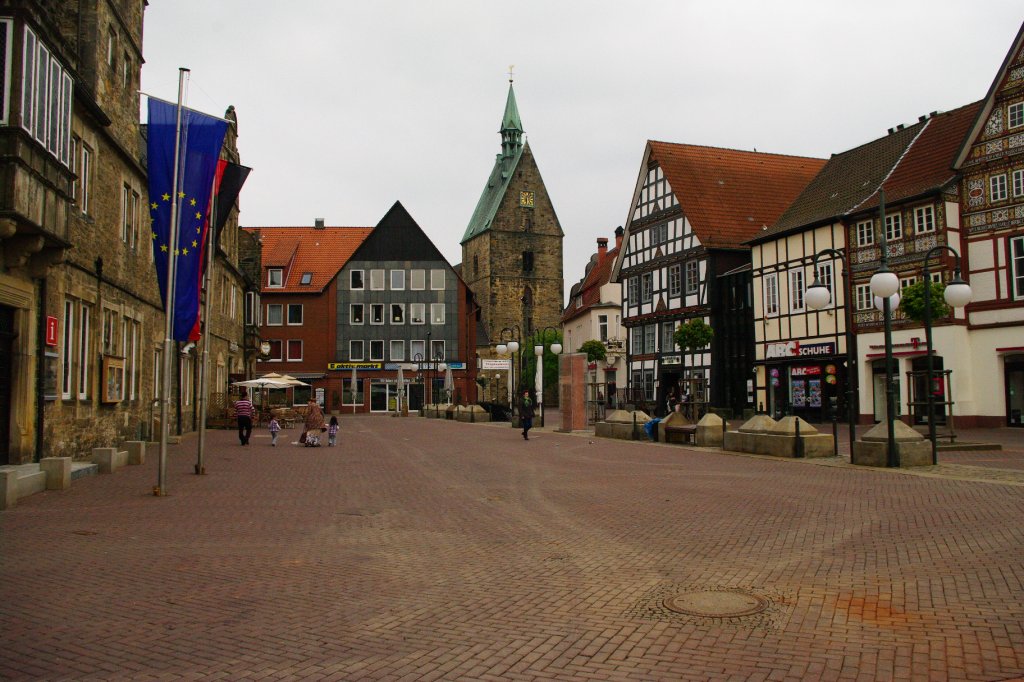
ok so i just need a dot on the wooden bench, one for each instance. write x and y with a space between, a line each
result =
680 434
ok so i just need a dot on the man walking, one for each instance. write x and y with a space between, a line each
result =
243 411
526 414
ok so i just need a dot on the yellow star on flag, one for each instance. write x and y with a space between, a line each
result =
163 247
154 235
192 202
184 251
177 252
198 215
153 205
181 195
198 231
194 243
166 196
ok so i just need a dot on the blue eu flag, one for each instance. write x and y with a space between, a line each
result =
201 139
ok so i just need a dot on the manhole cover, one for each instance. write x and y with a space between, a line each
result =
717 603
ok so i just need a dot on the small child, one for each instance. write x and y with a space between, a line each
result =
332 432
275 427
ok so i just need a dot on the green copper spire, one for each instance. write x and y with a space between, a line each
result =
511 127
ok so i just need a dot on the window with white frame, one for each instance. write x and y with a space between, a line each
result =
692 276
252 308
1018 183
397 350
636 340
648 384
796 291
377 280
275 314
275 277
355 350
355 280
109 336
397 313
376 313
437 313
865 233
85 178
646 287
602 328
377 349
906 282
294 350
668 344
675 279
864 298
418 350
893 226
417 280
306 279
1017 267
825 277
1015 115
924 219
134 374
650 338
397 280
659 233
997 187
417 313
935 277
633 290
129 215
437 349
771 293
84 353
295 314
158 370
185 379
46 92
355 313
437 280
67 371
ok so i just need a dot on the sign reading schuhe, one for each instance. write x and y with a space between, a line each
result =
793 349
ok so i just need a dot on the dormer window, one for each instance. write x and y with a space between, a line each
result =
275 277
307 278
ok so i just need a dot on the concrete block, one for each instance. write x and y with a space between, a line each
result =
57 471
105 459
760 423
8 488
471 414
136 451
874 453
619 430
709 431
31 482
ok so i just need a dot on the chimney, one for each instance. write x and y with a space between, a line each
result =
618 237
602 247
318 223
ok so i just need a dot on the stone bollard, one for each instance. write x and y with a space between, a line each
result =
58 472
709 431
105 459
136 451
8 488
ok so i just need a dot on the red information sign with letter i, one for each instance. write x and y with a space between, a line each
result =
51 330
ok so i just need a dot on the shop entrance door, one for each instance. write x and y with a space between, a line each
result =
1014 390
6 373
378 396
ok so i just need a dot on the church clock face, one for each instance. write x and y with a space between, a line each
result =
526 199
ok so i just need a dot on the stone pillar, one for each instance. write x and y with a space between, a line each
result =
572 378
8 488
58 472
136 451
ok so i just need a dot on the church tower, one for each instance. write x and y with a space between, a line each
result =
512 248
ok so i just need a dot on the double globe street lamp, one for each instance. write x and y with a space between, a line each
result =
512 347
538 350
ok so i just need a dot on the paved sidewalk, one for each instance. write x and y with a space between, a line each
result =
435 550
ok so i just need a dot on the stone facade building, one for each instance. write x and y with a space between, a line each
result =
512 247
81 321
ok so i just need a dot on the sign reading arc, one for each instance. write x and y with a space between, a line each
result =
793 349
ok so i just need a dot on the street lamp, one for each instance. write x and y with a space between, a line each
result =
538 350
884 284
819 296
512 347
957 294
418 359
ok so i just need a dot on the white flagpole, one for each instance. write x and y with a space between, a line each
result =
172 266
204 373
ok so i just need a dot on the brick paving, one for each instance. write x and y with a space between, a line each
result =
432 550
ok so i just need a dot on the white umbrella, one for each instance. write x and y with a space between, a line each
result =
449 384
400 380
262 382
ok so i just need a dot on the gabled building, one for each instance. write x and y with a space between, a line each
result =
298 314
684 256
802 353
512 246
991 161
594 312
401 306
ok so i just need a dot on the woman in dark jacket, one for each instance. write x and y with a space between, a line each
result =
526 414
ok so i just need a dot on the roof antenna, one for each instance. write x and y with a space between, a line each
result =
511 68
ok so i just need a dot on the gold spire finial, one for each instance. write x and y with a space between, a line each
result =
511 67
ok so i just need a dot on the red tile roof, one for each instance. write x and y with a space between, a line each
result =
590 286
322 252
728 194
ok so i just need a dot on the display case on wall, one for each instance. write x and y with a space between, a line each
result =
113 379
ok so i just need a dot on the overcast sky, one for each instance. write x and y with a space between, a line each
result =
345 107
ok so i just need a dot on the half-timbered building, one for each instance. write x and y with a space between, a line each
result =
683 257
991 162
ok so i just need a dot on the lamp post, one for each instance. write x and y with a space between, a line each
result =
538 350
885 284
819 296
957 294
515 336
418 359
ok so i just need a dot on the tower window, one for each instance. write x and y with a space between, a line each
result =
528 261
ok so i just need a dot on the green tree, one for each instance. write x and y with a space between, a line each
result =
693 335
912 301
594 349
546 338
